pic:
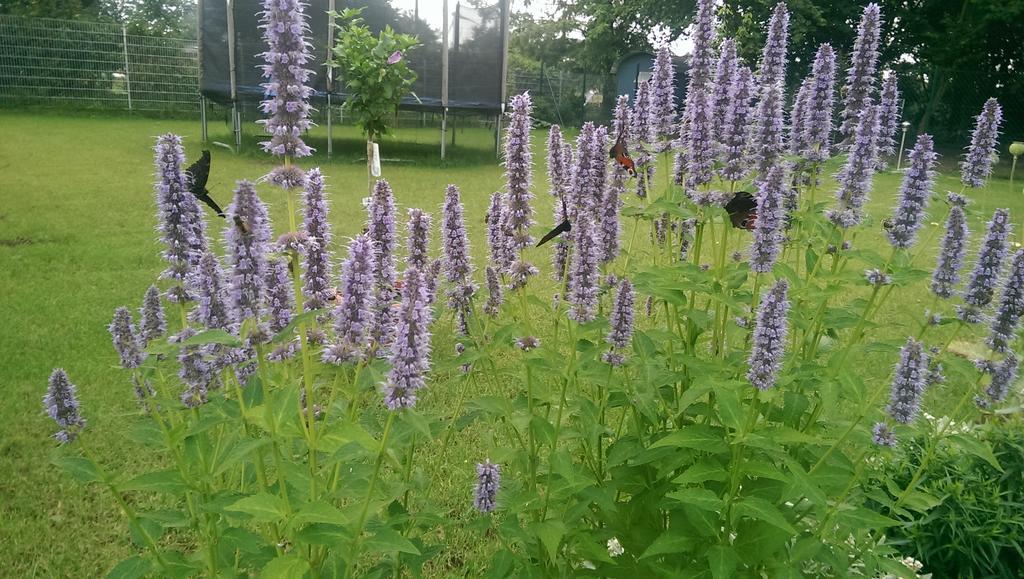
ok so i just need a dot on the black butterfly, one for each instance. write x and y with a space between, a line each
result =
199 174
561 228
742 210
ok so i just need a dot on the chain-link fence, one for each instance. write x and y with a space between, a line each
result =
95 65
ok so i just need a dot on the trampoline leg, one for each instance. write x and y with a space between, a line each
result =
202 119
497 136
330 128
236 120
444 129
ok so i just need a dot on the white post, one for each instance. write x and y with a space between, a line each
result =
444 76
127 75
202 118
330 78
236 115
903 141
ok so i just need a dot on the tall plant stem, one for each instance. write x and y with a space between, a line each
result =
369 495
933 443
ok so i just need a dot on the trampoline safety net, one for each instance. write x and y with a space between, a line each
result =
476 51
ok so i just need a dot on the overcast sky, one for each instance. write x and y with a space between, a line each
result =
432 11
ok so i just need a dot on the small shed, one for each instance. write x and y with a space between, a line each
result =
636 67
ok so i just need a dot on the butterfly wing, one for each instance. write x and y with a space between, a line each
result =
200 173
742 210
205 198
563 227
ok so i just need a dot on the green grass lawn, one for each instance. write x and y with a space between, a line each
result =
77 240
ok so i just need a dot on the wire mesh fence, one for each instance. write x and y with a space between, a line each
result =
95 65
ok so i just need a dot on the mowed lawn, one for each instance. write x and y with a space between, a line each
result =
77 240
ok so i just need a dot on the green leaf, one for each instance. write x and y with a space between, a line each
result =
861 518
723 561
212 337
696 436
978 448
762 510
161 481
700 498
550 533
321 534
261 507
730 411
701 472
240 452
320 512
387 540
131 568
290 566
288 331
81 469
669 544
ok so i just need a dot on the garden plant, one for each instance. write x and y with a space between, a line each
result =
685 395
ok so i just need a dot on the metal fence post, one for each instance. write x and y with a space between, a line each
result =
127 75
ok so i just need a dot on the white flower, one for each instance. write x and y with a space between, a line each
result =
615 547
912 564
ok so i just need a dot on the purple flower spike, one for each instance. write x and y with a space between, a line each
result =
735 126
952 249
771 220
279 296
528 343
768 143
817 126
559 173
1011 307
496 238
433 273
640 117
583 275
417 242
211 309
488 483
318 272
697 134
560 255
663 101
909 382
856 176
798 117
287 91
519 172
455 248
915 191
883 435
61 404
247 235
769 336
152 323
586 188
860 77
181 226
982 285
354 316
614 189
877 277
888 119
380 226
725 78
977 163
494 293
410 356
622 316
126 342
1002 379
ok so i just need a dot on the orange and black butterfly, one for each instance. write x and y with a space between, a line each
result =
563 227
198 175
621 155
742 210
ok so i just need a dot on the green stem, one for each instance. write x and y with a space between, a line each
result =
369 496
